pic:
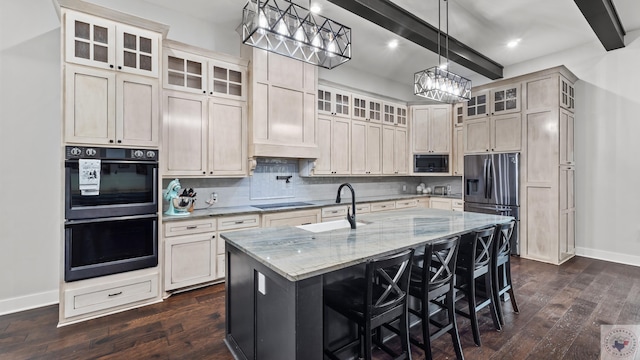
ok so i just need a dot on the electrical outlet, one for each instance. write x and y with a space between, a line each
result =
404 188
213 198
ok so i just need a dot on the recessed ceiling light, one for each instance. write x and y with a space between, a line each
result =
315 8
392 44
513 43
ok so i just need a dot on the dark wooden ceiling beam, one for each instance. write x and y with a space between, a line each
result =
603 19
399 21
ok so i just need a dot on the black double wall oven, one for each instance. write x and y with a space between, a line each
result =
111 211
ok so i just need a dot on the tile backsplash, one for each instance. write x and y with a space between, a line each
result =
264 187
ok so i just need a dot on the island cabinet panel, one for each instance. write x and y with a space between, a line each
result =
291 218
271 317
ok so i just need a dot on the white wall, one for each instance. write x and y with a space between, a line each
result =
606 141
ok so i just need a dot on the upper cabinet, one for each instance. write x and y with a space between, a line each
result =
567 94
111 87
366 108
394 114
494 134
505 99
478 104
333 101
186 71
283 99
431 129
102 43
458 114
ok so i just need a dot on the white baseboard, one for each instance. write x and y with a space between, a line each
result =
28 302
609 256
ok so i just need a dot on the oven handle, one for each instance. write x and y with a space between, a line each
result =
97 220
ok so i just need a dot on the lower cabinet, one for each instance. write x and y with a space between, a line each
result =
228 224
339 212
440 203
457 205
383 206
409 203
189 258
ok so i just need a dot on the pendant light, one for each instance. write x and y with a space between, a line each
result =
285 28
438 83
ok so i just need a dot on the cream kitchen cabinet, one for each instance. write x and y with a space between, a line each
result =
189 253
440 203
505 99
501 133
102 43
334 144
204 136
366 108
478 105
567 120
187 68
366 148
457 155
333 101
103 107
457 205
431 129
408 203
458 115
394 114
567 94
336 212
382 206
395 158
282 106
291 218
227 224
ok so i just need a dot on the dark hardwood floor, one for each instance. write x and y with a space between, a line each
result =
561 310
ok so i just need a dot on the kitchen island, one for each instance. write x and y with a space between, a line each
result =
275 276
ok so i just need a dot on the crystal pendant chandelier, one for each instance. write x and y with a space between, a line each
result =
285 28
438 83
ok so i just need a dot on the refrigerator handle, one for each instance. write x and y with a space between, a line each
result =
490 179
486 177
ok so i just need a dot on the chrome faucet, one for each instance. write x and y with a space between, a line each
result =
351 218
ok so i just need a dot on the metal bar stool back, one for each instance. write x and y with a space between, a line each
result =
501 264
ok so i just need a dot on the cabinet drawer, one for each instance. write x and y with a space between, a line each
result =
401 204
383 206
187 227
238 222
334 211
363 208
291 218
109 295
457 203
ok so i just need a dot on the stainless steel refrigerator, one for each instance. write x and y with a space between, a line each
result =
491 186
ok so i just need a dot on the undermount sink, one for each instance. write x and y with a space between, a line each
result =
330 225
281 205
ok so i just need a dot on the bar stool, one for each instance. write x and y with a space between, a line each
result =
474 265
501 264
432 279
378 298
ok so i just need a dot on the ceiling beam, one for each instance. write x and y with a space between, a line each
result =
399 21
603 19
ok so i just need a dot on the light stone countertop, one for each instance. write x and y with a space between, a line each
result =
297 254
313 204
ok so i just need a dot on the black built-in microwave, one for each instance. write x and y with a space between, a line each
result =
429 163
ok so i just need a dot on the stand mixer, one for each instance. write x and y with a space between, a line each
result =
178 204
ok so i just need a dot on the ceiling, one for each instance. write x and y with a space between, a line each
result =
543 27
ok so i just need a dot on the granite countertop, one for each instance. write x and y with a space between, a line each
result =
248 209
297 254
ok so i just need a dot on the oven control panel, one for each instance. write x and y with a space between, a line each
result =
85 152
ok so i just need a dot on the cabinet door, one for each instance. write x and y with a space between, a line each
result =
358 147
458 114
478 105
185 134
323 163
374 110
567 120
189 260
291 218
443 204
388 148
458 151
90 40
184 71
420 129
505 99
373 149
342 104
477 136
506 133
401 115
227 80
340 146
567 94
137 110
137 50
90 103
400 157
358 107
440 130
389 114
227 155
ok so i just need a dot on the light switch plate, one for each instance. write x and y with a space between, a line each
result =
261 284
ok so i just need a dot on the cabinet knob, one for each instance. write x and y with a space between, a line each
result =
111 141
119 141
111 66
204 91
204 173
210 92
119 67
211 172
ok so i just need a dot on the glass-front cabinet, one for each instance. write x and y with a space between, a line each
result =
505 99
333 101
97 42
477 106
